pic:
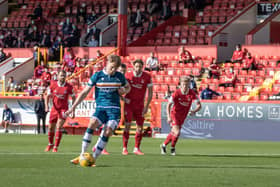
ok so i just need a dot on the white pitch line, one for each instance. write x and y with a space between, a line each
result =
179 154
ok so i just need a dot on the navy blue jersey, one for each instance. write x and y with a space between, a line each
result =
106 88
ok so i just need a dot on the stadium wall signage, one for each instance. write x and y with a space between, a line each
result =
231 121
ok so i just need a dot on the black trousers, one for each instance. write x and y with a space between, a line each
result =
38 123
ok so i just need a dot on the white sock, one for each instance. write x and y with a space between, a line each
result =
86 140
100 145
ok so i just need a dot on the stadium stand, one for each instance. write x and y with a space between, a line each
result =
259 84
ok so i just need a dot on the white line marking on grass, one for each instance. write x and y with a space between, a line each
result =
179 154
50 153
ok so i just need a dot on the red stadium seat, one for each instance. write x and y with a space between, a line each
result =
236 96
173 87
168 80
264 97
176 79
164 87
158 79
255 98
227 96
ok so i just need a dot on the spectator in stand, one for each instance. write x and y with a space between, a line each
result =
166 10
91 18
9 40
259 65
3 55
81 14
185 56
41 114
72 39
249 63
93 42
45 39
93 31
54 51
238 54
230 79
208 93
152 23
193 84
38 71
20 42
152 63
7 117
139 18
11 85
38 12
36 56
67 27
152 6
214 70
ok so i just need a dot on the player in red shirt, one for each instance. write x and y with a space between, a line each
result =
46 77
177 109
134 106
60 91
238 54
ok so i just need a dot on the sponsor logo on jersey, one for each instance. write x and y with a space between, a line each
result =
59 96
184 103
139 86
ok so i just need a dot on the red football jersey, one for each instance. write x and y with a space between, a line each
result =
238 55
60 94
182 103
46 76
215 69
139 86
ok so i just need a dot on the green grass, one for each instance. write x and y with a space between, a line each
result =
197 163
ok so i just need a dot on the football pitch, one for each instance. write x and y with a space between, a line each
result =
23 162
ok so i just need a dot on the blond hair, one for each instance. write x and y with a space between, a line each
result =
185 79
114 58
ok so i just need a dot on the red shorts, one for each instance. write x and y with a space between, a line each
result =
135 113
56 114
178 119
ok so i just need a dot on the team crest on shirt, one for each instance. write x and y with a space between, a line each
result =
102 78
142 81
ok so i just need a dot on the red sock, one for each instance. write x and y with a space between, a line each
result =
58 136
174 140
50 137
138 138
125 138
168 139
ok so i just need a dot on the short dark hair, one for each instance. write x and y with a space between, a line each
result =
123 65
138 61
